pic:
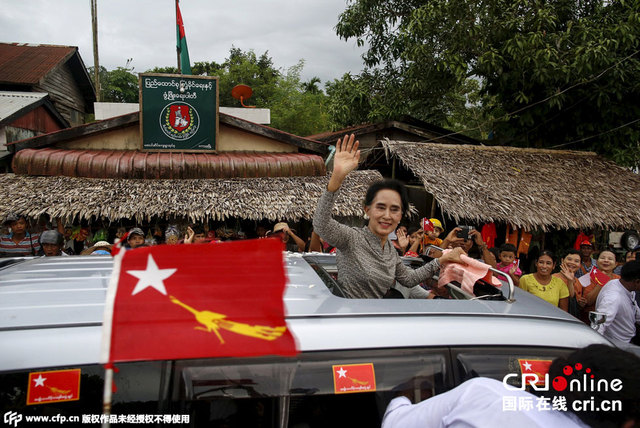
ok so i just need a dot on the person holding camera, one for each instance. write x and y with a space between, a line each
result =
368 264
470 240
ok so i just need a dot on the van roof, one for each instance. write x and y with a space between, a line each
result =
39 297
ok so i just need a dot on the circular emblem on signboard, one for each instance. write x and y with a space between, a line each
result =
179 121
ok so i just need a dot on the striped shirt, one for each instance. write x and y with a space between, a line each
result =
365 268
28 246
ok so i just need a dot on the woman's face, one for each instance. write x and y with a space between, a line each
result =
385 212
607 261
572 262
545 265
172 240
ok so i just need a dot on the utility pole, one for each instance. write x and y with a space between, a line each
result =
96 63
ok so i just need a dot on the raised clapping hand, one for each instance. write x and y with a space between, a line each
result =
190 235
566 272
345 160
403 239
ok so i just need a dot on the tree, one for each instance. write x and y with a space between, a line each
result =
296 107
567 71
119 85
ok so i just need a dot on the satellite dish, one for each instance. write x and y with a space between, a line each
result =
242 92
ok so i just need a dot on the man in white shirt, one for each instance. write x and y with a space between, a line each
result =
479 402
617 301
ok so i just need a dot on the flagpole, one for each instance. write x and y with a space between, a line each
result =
106 396
178 44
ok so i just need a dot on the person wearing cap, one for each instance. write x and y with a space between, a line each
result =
283 232
100 247
52 242
586 261
432 230
135 238
19 242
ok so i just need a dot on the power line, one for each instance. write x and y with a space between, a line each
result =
528 106
596 136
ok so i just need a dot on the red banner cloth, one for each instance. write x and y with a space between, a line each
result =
598 277
197 301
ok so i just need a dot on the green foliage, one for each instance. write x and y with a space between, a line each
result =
566 70
296 107
117 86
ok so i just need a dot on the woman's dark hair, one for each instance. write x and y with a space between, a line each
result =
547 253
571 251
412 229
390 184
509 248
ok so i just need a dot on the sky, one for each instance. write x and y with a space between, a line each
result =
145 30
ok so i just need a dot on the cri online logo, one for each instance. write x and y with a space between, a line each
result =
581 382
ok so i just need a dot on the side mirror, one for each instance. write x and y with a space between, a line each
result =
596 318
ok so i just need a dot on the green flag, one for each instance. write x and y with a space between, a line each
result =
181 43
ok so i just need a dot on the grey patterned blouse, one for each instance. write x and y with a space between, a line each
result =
365 268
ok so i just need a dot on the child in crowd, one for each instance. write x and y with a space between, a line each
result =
135 239
508 262
432 230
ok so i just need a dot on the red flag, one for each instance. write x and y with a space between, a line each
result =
538 367
181 43
197 301
427 225
350 378
53 386
598 277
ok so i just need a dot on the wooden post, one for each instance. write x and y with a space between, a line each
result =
96 62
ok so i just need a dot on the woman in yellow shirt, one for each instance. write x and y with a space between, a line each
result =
544 285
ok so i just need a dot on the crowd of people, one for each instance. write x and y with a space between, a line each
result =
369 264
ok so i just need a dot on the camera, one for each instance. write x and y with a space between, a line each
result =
464 232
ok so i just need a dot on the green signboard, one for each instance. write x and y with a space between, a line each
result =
178 112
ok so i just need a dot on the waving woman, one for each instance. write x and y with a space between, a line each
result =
368 264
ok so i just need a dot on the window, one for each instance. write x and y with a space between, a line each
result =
138 391
497 362
300 392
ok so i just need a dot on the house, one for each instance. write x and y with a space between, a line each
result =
97 171
24 115
55 70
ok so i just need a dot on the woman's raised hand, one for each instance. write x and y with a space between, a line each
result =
347 155
345 160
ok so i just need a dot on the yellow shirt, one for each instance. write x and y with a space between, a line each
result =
552 292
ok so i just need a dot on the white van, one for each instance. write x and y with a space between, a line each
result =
51 313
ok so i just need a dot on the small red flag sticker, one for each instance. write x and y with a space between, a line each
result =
538 367
53 386
351 378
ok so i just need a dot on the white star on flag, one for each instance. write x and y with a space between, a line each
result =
341 373
39 380
527 365
151 277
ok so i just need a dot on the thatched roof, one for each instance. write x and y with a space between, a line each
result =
277 198
525 187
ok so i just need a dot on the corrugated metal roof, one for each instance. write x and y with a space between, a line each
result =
24 63
12 102
135 164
